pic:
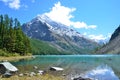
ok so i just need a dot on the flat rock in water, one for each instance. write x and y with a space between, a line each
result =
35 67
80 78
56 69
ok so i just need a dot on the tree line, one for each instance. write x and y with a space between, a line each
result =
12 39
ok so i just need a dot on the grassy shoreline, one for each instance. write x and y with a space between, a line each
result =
12 58
38 77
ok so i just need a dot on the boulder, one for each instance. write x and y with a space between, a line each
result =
32 74
21 75
41 72
80 78
56 69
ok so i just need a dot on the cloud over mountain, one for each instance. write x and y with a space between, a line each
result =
99 37
64 15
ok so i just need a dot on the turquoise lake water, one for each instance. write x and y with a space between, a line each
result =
72 64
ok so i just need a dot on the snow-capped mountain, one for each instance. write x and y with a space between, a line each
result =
55 27
58 35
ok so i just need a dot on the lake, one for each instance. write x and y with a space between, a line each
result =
72 64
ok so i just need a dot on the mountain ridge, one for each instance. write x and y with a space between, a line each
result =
113 46
58 35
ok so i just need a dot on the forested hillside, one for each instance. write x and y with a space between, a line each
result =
44 48
12 39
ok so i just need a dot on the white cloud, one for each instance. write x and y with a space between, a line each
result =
92 26
99 37
63 15
14 4
83 25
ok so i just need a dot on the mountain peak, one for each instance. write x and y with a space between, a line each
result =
61 36
43 17
56 27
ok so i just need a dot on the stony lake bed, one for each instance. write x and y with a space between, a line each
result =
73 65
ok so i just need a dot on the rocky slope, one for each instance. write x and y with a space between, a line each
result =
114 44
58 35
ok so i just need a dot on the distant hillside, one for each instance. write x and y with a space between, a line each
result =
114 44
58 36
43 48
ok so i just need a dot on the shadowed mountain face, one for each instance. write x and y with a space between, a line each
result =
58 35
115 34
114 44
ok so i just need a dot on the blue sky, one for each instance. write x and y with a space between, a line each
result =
96 19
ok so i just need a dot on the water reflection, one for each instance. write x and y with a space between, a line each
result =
72 64
102 72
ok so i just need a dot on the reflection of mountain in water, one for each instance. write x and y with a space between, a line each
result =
102 72
75 65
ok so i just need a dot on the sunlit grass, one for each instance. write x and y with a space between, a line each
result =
11 58
38 77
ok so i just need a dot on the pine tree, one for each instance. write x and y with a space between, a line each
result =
20 48
27 45
6 29
1 31
12 38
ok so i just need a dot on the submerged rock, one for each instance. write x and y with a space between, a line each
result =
21 75
26 74
80 78
7 74
35 67
32 74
